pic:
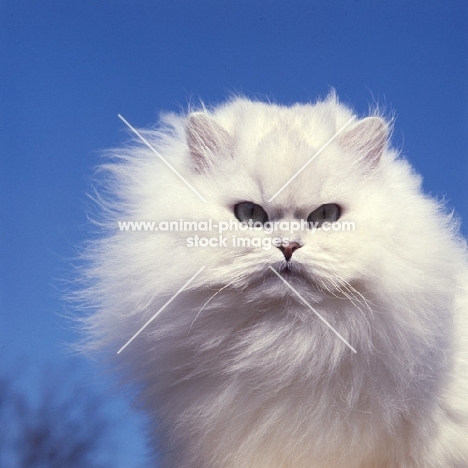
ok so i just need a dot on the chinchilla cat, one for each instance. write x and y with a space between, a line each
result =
339 343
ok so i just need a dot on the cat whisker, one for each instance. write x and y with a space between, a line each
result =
350 293
211 298
323 288
354 291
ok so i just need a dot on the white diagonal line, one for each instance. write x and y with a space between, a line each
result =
294 290
312 158
160 157
161 309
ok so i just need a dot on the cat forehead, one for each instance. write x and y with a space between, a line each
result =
286 187
281 133
260 147
286 148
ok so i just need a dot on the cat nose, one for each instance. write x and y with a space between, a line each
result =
289 249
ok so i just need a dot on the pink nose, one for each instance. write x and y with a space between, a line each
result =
289 249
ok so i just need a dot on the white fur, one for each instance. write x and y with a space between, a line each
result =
238 373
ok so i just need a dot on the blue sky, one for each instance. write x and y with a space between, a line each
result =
68 68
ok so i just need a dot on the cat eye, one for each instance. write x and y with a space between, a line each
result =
329 212
246 211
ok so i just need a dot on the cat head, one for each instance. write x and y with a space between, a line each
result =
338 218
336 210
305 174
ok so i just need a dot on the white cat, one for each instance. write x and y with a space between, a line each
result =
337 348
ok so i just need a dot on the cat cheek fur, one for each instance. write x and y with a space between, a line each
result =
236 371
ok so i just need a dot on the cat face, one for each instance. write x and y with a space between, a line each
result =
305 174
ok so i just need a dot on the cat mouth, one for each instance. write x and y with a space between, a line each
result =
292 279
294 271
288 268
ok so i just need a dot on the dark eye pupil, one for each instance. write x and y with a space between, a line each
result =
247 211
330 212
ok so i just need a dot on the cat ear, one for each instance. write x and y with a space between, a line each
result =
367 139
206 140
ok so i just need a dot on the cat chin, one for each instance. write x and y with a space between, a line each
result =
288 282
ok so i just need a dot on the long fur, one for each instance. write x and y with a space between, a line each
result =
237 372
